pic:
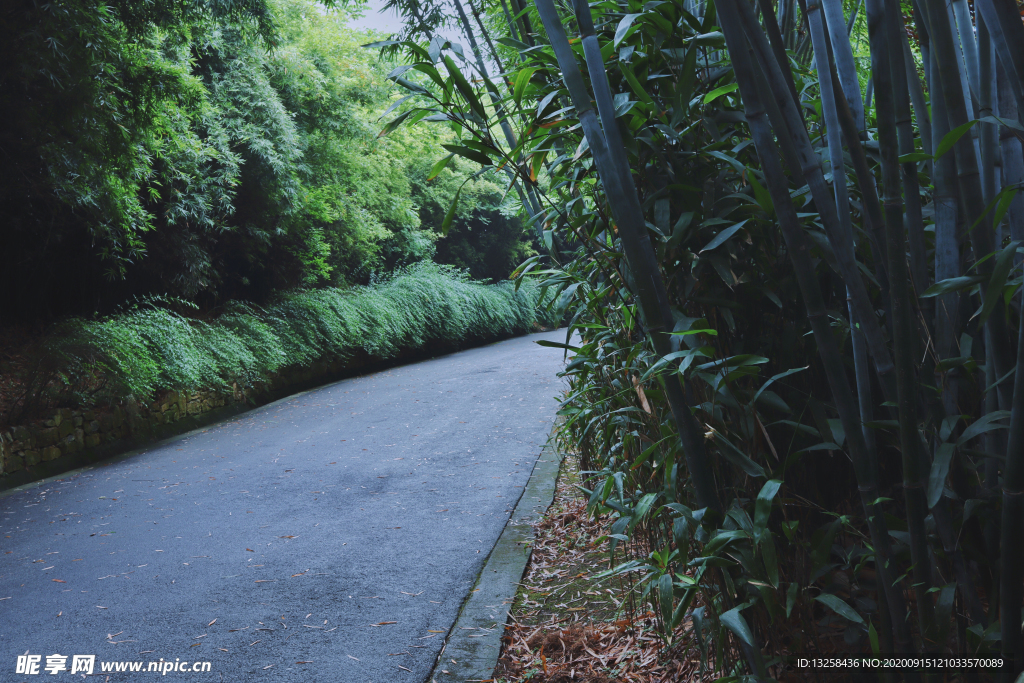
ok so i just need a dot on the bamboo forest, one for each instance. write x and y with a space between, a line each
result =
782 243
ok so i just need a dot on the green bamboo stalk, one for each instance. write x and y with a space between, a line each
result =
532 203
829 99
487 36
969 180
798 250
989 135
508 19
905 130
915 472
527 28
968 44
921 113
842 51
947 250
1013 158
625 206
796 135
778 43
1007 34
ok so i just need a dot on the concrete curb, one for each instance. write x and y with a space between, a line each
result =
473 645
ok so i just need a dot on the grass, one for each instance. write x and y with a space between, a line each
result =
150 349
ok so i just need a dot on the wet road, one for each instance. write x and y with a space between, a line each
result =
331 536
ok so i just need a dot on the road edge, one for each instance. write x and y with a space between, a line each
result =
473 644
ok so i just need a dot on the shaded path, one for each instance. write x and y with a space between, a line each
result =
331 536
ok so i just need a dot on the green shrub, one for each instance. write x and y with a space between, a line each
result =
151 349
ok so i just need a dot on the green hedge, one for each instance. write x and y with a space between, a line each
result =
150 349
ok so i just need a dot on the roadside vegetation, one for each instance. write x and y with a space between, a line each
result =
151 348
215 152
790 233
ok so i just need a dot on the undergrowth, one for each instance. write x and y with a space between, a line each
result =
149 349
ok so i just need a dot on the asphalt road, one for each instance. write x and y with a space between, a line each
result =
331 536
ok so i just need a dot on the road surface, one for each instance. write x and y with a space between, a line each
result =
331 536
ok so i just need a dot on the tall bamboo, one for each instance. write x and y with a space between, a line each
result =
969 179
798 248
905 131
613 169
793 133
915 472
842 51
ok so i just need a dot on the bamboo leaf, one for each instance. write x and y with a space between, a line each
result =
735 622
665 597
739 458
714 39
398 71
718 92
953 284
394 123
397 104
535 163
982 425
556 345
721 237
623 28
522 80
837 605
761 195
634 84
915 157
713 333
763 506
775 378
471 154
446 224
952 137
995 284
463 87
439 166
937 476
409 85
545 101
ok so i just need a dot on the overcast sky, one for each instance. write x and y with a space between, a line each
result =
388 21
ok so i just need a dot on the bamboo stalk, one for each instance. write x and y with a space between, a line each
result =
797 249
915 473
905 131
842 51
796 135
640 257
968 179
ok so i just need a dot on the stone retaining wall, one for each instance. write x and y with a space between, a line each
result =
70 431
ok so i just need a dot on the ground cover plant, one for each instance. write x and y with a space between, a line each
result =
792 244
152 348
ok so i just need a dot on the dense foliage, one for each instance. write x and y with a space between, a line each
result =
213 151
151 348
796 386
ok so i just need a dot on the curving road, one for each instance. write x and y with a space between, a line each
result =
331 536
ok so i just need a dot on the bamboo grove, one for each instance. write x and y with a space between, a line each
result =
790 236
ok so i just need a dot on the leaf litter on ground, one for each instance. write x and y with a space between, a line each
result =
565 626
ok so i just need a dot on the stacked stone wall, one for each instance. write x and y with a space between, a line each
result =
70 431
